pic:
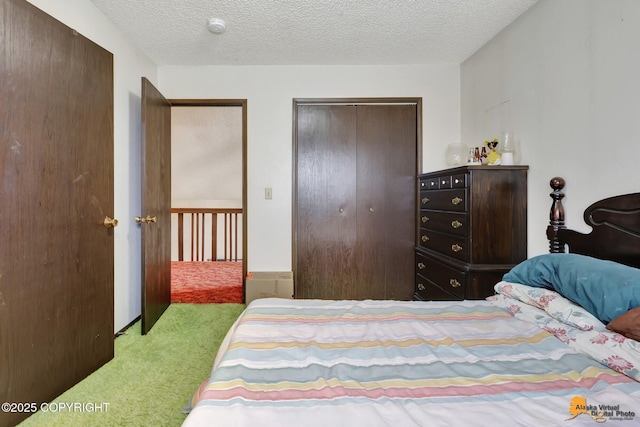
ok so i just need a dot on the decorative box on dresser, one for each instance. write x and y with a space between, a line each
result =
472 228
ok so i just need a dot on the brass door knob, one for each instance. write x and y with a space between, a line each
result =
110 222
146 219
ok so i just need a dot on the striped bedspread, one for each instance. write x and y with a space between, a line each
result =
378 363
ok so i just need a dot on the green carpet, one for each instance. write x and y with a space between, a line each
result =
151 377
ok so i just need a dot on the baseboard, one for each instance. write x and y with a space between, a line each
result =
123 330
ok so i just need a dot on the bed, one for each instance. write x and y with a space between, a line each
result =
558 344
205 266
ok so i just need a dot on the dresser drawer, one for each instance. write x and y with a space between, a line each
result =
447 200
429 183
448 222
427 291
452 246
444 182
431 272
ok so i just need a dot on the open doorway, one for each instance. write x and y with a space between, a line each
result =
208 202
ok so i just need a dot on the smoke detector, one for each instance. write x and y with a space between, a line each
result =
216 25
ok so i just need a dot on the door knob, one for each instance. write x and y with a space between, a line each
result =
146 219
110 222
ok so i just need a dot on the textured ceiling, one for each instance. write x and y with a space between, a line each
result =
314 32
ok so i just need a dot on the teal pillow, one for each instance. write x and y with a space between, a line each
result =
605 289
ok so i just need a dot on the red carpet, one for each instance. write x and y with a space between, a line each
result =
206 282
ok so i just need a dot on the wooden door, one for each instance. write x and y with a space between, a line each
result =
386 186
155 220
326 202
354 207
56 262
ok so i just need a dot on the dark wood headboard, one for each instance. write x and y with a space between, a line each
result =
615 222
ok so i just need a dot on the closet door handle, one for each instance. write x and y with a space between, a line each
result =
371 210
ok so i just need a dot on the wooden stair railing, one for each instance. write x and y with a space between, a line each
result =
198 218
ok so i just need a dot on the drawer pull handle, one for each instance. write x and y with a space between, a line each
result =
444 182
456 224
456 248
425 200
457 181
425 238
454 283
421 287
421 265
425 219
456 200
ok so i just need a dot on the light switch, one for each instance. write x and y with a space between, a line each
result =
268 195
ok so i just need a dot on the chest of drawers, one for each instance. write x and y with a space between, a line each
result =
472 228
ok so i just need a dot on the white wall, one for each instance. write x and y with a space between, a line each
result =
565 78
129 66
206 157
270 90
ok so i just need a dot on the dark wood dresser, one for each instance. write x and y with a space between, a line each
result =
472 228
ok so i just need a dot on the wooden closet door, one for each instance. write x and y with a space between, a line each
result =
355 201
386 171
56 262
326 202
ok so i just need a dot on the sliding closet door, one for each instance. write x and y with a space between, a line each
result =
56 262
354 201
